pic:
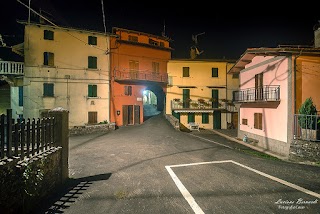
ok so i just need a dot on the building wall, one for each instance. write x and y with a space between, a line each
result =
5 98
200 84
144 53
274 119
70 73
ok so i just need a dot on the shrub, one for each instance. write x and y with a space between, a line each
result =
305 120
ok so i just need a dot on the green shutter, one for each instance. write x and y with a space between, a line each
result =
94 90
205 118
191 117
215 98
20 95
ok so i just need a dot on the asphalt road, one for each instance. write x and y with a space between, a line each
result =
153 168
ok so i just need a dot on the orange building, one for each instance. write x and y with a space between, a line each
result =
138 64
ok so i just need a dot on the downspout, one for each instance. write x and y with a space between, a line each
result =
295 82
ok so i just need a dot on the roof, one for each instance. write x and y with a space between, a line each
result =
142 33
286 50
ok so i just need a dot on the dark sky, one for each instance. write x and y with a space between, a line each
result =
229 29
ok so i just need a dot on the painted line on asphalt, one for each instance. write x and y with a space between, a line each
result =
196 208
212 141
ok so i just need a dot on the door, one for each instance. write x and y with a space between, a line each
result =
235 119
125 121
215 98
136 114
258 86
217 120
186 98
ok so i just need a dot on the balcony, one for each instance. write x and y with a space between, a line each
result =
201 106
268 93
140 76
11 68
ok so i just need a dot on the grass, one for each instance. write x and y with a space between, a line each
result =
259 154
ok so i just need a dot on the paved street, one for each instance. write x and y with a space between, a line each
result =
153 168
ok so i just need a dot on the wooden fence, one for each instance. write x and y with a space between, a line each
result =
25 138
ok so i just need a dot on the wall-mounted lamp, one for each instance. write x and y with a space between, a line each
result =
118 112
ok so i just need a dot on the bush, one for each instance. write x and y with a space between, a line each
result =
305 120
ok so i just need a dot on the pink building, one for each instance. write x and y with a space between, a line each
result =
274 82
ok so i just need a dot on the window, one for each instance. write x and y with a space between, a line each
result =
133 65
235 76
170 80
191 117
133 38
153 42
155 67
185 71
92 90
92 40
92 117
244 121
48 89
20 95
205 118
258 121
48 35
214 72
128 90
161 44
92 62
48 58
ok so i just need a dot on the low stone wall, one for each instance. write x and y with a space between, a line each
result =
88 129
174 121
303 151
24 183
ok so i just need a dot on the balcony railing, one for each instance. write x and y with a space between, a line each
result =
197 105
306 127
265 93
141 76
11 68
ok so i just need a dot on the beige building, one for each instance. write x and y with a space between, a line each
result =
68 68
200 91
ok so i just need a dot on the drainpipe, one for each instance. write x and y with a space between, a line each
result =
295 82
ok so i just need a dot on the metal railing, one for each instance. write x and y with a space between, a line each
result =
265 93
306 127
203 105
141 75
13 68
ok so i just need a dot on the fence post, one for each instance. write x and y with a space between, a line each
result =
61 131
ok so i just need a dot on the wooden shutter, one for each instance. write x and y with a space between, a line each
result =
215 98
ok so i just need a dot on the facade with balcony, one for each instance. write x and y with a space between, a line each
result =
273 84
68 68
200 91
138 63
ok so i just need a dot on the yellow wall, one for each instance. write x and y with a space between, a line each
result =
70 73
201 79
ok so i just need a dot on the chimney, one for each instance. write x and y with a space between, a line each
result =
316 29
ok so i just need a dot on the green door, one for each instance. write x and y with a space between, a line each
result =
186 97
217 120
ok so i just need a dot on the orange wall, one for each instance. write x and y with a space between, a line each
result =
121 54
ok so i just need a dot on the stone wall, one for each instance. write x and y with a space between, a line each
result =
174 121
24 183
305 151
88 129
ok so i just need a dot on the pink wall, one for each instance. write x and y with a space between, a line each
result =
274 122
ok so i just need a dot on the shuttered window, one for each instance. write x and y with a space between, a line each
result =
92 62
92 117
258 121
92 90
20 95
186 72
128 90
191 117
205 118
48 35
215 72
215 98
48 58
48 89
92 40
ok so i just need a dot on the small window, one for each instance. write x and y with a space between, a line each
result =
214 72
133 38
92 40
235 76
48 58
128 90
92 90
161 44
185 72
153 42
92 62
92 117
155 67
48 35
244 121
191 117
258 121
48 89
205 118
20 95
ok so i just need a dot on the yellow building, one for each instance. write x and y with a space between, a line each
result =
200 91
68 68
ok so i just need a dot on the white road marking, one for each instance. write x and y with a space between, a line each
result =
186 194
212 141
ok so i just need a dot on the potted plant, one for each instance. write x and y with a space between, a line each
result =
308 120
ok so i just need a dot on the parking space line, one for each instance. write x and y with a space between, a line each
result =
186 194
212 141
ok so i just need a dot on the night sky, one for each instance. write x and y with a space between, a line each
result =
229 29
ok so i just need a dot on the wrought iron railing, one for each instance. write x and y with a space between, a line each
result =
265 93
306 127
203 105
141 75
13 68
